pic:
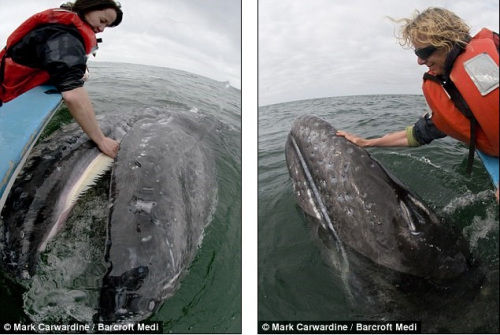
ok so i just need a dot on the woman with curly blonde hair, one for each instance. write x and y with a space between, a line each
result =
460 86
52 47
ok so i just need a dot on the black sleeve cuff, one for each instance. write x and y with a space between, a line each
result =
424 130
72 79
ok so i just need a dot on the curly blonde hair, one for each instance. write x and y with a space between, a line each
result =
434 26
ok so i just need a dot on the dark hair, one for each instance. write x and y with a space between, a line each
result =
82 7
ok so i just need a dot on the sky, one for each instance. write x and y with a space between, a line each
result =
324 48
198 36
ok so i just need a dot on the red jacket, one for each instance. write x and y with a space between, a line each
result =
15 78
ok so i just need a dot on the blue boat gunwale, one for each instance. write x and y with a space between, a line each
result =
39 105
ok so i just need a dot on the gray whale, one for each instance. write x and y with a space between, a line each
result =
163 191
366 209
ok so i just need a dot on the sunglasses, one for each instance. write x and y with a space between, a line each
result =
426 52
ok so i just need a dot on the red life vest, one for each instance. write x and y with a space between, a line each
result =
15 78
483 104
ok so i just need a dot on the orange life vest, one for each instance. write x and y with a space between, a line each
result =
15 78
448 106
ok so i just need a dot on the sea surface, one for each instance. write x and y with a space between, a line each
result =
67 283
298 278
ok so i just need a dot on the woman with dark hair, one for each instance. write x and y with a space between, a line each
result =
52 47
84 7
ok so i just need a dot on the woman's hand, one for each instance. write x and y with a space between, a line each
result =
109 147
353 138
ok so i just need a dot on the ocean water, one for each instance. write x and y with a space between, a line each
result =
298 278
66 285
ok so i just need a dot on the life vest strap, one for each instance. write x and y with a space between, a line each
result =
472 145
464 108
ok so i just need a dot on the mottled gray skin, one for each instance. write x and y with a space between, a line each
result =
30 210
164 191
372 212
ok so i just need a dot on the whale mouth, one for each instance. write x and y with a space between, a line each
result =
318 204
85 174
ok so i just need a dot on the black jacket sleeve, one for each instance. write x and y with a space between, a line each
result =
57 49
65 60
424 130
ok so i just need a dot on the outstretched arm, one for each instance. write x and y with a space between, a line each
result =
396 139
81 109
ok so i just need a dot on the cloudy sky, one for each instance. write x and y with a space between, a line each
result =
322 48
198 36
